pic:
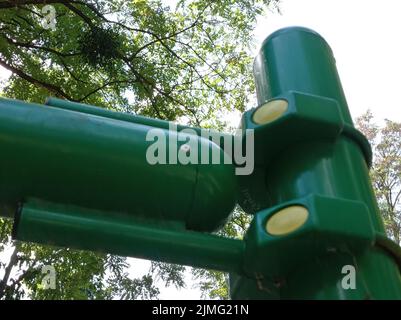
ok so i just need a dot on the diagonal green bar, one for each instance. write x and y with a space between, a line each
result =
115 233
133 118
88 109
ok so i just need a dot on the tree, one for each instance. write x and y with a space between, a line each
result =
190 64
386 169
79 274
138 56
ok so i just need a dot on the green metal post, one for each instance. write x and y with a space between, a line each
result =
315 211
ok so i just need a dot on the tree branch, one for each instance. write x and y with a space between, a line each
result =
17 3
33 46
109 83
79 13
52 88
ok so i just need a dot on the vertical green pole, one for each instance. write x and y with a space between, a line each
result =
317 231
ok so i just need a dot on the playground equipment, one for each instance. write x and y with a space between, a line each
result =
77 176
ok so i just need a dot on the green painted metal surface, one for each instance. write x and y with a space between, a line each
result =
311 156
82 181
125 235
97 162
220 138
298 59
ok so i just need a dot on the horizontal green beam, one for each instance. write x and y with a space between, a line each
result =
114 233
97 162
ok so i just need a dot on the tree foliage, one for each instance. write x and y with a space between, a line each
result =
139 56
386 170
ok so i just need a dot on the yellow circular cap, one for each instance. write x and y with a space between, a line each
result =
270 111
287 220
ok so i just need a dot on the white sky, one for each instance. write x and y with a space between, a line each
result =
365 38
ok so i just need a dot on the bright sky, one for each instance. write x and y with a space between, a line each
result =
365 36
